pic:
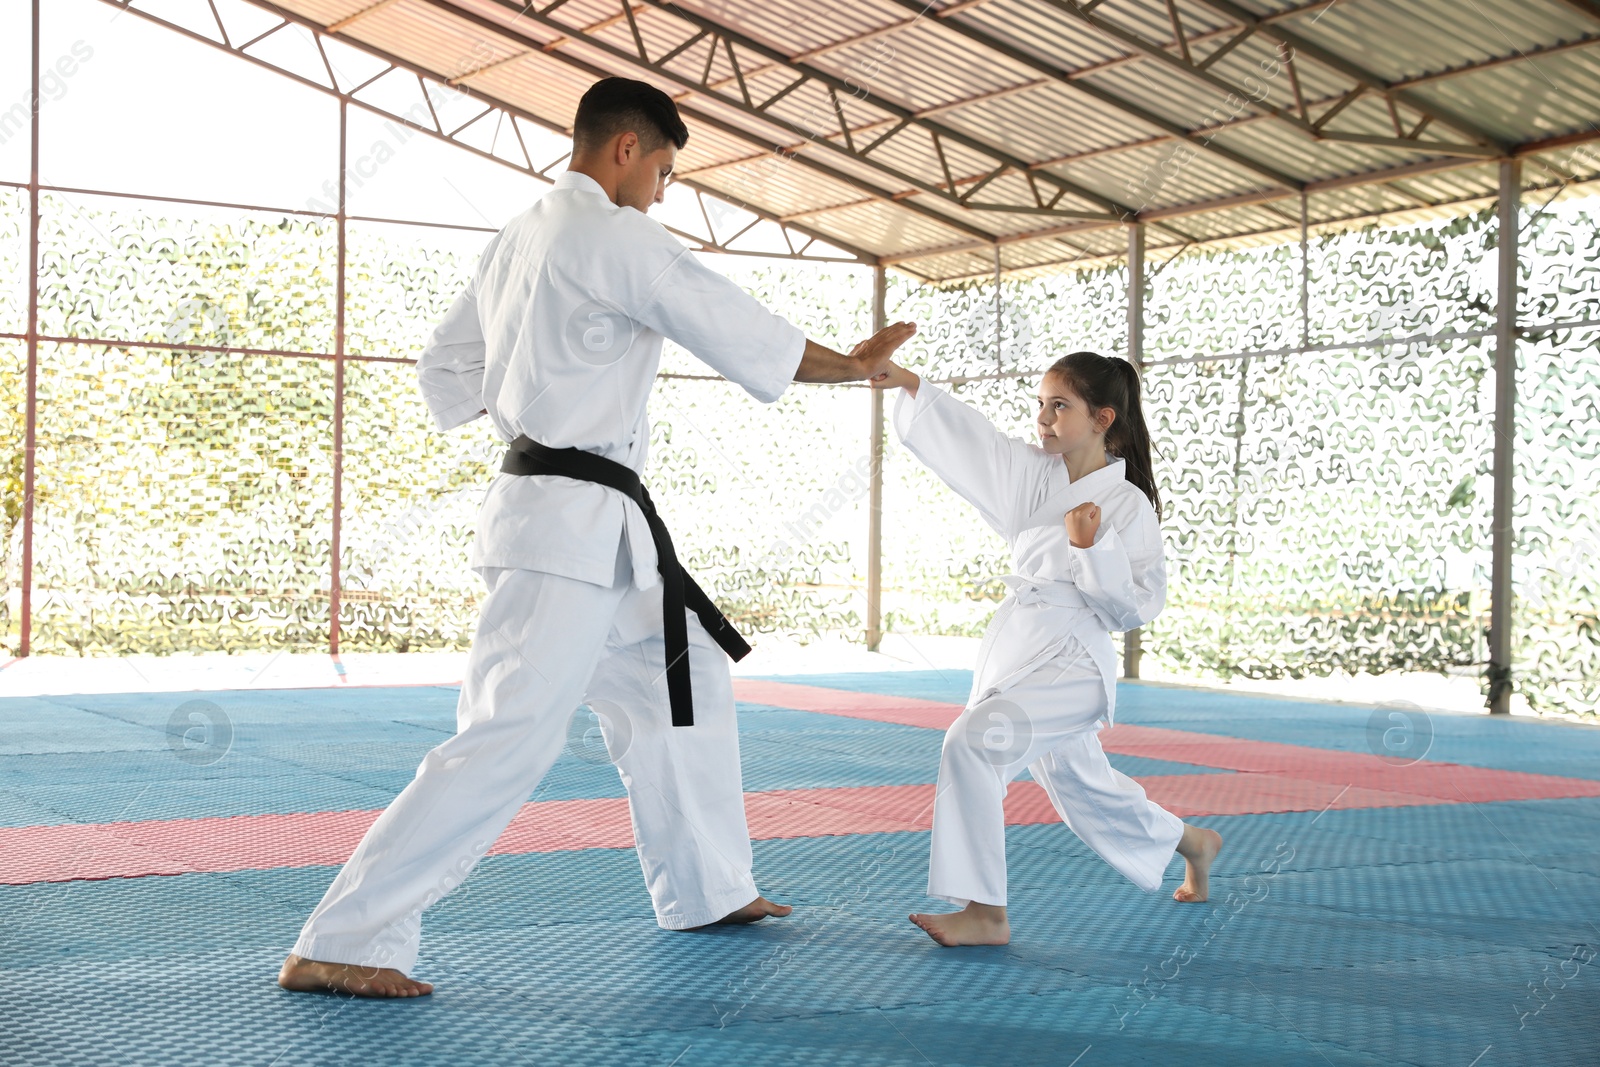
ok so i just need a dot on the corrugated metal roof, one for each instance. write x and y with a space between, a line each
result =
1003 121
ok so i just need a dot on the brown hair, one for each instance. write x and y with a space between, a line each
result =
1109 382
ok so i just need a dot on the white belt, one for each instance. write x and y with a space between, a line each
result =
1084 625
1044 591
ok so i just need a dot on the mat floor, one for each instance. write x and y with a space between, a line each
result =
158 853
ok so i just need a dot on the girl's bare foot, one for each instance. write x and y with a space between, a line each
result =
1198 847
310 976
976 924
754 911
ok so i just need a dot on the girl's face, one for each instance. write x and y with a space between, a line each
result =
1065 423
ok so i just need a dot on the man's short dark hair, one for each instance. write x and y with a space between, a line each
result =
620 105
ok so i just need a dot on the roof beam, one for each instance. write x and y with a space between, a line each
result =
1477 151
814 235
1212 130
727 39
1587 7
1102 96
843 42
1055 161
806 212
1034 168
350 20
702 117
809 137
1474 153
983 240
1550 144
1250 199
1316 7
866 96
1077 72
1497 61
1356 73
398 63
924 112
1201 72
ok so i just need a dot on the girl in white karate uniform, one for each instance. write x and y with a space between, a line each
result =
1081 512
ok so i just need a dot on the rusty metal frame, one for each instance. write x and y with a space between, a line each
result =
1104 97
770 149
1502 589
1363 78
696 36
1262 197
902 117
336 538
1249 25
31 396
708 35
781 151
1133 640
511 113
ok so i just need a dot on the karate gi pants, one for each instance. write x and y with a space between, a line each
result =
544 644
1049 722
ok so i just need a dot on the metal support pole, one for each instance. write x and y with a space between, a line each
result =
1133 640
1136 287
1505 428
1305 273
875 495
999 327
336 579
31 414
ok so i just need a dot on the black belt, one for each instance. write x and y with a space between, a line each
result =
679 589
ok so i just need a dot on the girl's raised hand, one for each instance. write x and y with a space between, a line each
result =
895 377
1083 522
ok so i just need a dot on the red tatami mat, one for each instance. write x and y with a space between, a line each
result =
907 711
1438 782
1271 777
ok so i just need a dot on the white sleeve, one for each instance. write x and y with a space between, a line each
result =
724 327
1124 579
450 368
996 474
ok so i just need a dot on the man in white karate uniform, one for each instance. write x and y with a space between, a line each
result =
557 339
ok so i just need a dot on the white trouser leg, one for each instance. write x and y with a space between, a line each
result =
685 791
538 639
1108 810
1050 721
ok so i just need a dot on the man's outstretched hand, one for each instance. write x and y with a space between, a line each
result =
876 351
866 361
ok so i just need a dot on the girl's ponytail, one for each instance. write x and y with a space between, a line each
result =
1109 382
1133 443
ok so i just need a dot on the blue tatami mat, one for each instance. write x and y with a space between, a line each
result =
1437 935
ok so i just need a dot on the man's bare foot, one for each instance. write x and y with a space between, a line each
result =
976 924
309 976
754 911
1198 847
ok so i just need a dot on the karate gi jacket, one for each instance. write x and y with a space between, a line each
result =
558 336
1060 594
